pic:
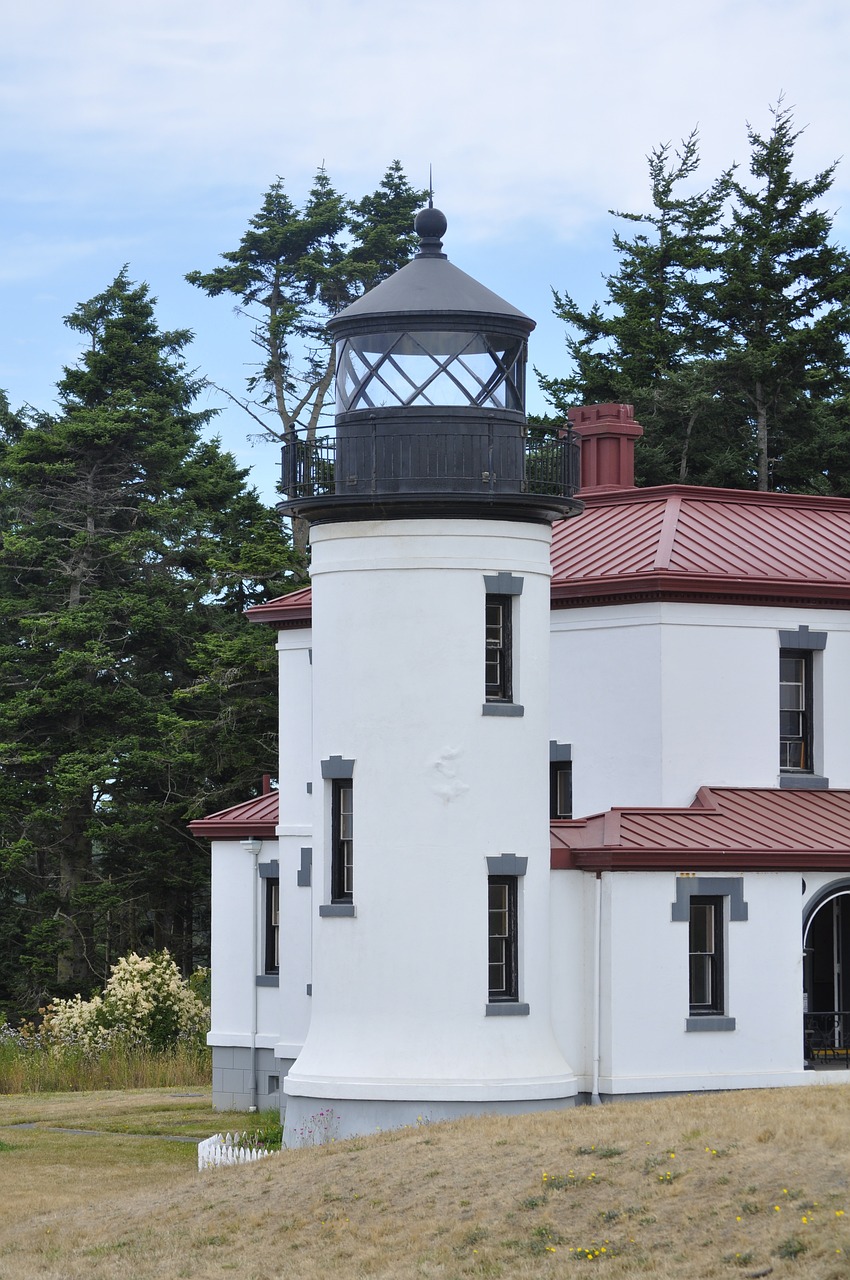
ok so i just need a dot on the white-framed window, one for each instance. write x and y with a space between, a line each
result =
500 624
795 711
502 939
272 925
498 684
342 840
801 702
708 904
705 946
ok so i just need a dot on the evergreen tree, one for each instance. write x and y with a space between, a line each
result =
653 343
726 326
783 306
293 269
130 547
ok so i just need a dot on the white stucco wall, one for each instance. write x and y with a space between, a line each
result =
236 892
645 1044
660 699
572 917
400 990
295 833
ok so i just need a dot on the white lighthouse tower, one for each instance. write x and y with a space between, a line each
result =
431 518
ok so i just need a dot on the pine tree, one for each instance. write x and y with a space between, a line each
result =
653 342
293 269
726 325
130 547
783 304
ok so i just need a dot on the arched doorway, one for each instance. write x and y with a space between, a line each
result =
826 978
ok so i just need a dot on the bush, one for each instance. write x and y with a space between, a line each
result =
144 1005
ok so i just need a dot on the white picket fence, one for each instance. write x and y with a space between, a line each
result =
229 1148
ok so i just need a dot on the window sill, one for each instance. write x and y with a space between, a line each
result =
803 782
506 1009
710 1022
337 909
268 980
502 709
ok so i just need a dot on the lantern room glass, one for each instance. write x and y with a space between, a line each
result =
432 368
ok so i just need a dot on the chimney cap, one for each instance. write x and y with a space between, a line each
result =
607 433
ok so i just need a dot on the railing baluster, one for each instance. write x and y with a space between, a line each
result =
372 462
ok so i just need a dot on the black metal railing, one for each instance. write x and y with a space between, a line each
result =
826 1038
420 462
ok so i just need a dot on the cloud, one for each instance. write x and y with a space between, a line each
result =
543 110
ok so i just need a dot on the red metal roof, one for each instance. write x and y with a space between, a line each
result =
293 610
680 542
257 817
725 827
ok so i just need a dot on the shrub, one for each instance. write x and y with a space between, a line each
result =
144 1005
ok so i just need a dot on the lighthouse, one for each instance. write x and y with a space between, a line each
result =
430 522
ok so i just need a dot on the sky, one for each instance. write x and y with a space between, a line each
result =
147 134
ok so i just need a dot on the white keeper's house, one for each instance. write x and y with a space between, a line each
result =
564 788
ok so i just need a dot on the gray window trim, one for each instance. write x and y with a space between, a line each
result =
304 875
502 709
503 584
803 782
803 638
506 864
731 887
336 767
268 980
269 870
560 751
507 1009
710 1022
337 909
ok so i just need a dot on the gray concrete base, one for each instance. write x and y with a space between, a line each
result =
232 1079
314 1121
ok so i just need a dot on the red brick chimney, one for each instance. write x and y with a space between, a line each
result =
607 433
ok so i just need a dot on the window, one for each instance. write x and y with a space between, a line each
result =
272 929
705 904
342 840
502 938
801 674
795 710
499 626
497 657
705 944
561 789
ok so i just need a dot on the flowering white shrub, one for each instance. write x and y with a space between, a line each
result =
145 1004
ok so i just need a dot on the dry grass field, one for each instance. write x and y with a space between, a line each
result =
725 1185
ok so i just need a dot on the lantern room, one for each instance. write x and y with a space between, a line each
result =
430 406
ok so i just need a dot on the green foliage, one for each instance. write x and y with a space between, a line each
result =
783 309
296 267
725 325
130 548
144 1005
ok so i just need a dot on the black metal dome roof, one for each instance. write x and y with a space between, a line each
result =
430 292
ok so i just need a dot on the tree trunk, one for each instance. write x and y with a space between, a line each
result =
683 465
761 439
73 967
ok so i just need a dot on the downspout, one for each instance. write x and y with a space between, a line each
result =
595 1099
253 845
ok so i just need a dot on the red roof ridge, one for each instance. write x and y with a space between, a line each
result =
667 537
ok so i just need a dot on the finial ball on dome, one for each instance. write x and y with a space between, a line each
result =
430 223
